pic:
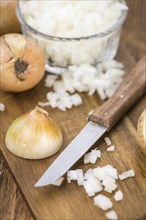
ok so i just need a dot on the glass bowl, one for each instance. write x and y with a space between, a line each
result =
61 52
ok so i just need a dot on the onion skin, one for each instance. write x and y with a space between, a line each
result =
9 22
141 131
21 63
34 135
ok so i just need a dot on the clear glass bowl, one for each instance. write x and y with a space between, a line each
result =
61 52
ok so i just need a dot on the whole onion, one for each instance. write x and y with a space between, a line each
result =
9 22
21 63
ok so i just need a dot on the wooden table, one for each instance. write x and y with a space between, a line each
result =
13 205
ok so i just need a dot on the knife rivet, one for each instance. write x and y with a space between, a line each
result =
121 96
105 113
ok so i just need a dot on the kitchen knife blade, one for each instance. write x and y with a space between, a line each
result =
72 153
101 120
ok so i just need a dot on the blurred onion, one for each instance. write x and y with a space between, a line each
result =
141 131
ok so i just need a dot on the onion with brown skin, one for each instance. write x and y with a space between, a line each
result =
21 63
141 131
9 22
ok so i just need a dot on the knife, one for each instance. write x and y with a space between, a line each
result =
100 121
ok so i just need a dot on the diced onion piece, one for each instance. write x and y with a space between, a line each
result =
111 148
111 215
58 182
80 177
43 104
107 141
103 202
106 171
109 184
92 156
88 188
76 99
58 86
95 184
2 107
89 173
71 175
50 79
124 175
118 195
87 158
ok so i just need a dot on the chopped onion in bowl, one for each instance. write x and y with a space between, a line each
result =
127 174
103 202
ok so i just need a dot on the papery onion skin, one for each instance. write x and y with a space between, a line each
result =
141 131
34 135
21 63
9 22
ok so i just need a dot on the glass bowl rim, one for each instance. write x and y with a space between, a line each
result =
108 31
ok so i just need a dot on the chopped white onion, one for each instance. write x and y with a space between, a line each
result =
95 184
83 78
109 184
88 188
71 175
2 107
89 173
92 156
80 177
107 141
103 202
126 174
74 19
58 182
50 79
111 148
118 195
76 99
75 175
106 171
111 215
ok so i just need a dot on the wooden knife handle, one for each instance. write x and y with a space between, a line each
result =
131 89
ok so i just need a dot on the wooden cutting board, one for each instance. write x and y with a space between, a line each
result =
70 201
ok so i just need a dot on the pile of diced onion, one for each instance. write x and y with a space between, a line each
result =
99 179
103 79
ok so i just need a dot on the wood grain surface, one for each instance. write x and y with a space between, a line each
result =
70 201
